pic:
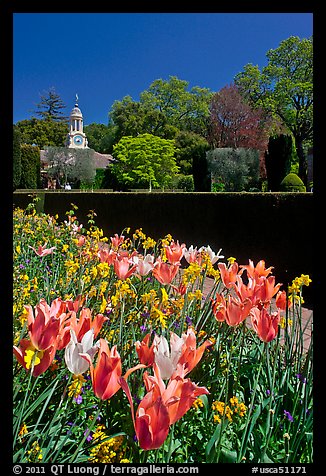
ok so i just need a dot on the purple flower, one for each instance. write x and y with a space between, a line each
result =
89 435
301 378
143 328
288 415
78 399
188 320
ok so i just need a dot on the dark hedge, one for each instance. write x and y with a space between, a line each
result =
276 227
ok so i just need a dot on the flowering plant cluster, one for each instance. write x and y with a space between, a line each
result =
129 349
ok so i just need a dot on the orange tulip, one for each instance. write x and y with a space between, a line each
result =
123 267
281 301
219 307
165 272
265 324
267 289
237 311
256 271
174 252
79 326
180 394
107 372
190 355
228 275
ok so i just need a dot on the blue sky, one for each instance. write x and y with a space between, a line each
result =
105 56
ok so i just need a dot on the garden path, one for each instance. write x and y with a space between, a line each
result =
307 316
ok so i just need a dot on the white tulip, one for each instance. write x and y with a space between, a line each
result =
75 363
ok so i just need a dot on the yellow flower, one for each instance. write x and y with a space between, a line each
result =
64 248
103 305
75 387
231 260
23 430
32 355
149 243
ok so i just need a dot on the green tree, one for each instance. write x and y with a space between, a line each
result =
16 154
71 165
163 109
236 169
51 106
42 133
280 159
144 161
284 88
101 137
30 167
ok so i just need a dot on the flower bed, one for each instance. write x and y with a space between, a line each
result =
120 358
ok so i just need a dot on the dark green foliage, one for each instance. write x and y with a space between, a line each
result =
236 169
280 158
16 155
30 166
292 183
185 183
43 133
51 106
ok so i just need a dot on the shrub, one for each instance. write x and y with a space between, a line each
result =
292 183
30 166
16 155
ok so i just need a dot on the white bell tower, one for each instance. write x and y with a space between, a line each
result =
76 139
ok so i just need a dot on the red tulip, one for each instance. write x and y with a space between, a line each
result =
44 327
30 357
161 406
107 372
265 324
152 420
145 352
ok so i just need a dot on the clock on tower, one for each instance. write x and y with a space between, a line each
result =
76 138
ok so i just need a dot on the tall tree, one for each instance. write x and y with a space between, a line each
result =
51 106
164 109
234 123
42 133
144 161
284 88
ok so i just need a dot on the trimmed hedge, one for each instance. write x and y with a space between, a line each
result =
276 227
292 183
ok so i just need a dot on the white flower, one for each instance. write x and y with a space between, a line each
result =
164 359
213 257
144 264
191 254
75 363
